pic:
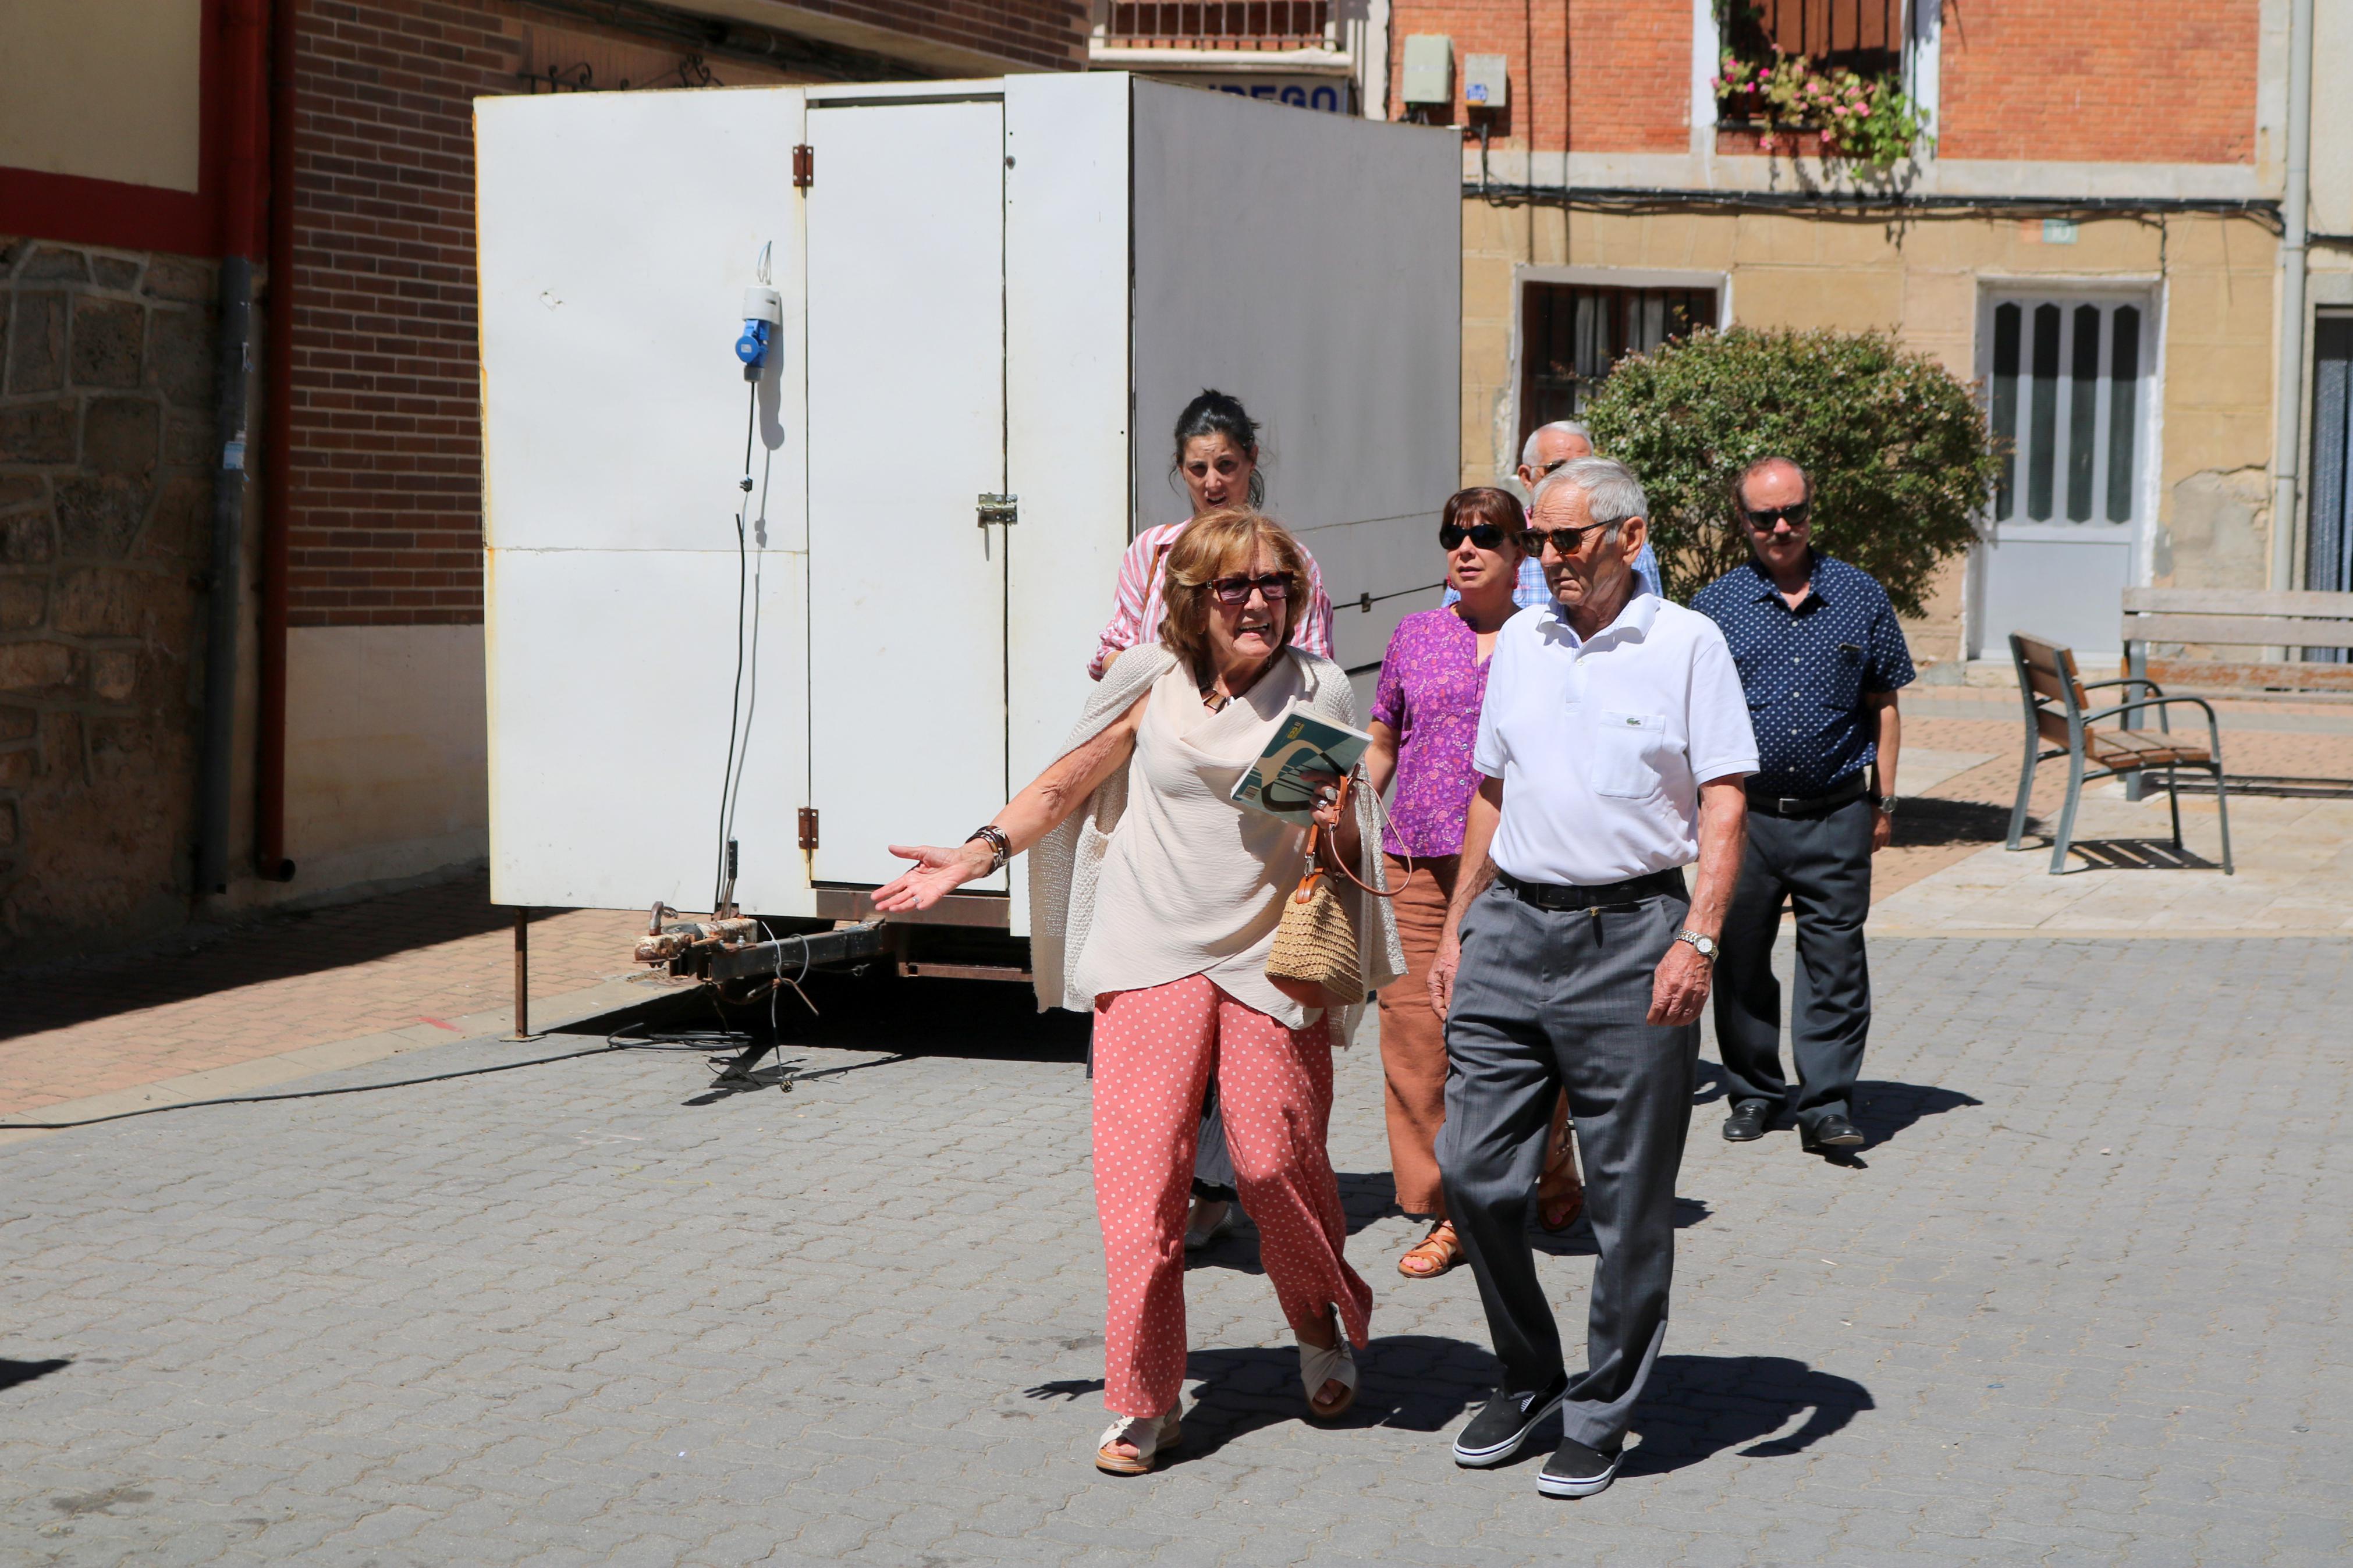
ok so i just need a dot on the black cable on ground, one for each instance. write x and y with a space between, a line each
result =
683 1040
727 785
302 1094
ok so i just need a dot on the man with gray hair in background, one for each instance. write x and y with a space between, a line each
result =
1614 739
1547 448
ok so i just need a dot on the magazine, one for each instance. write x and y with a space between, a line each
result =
1283 781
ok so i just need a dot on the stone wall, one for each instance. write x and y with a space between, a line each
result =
106 455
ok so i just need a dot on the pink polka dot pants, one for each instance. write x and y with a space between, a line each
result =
1153 1052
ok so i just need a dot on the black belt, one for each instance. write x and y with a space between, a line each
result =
1566 896
1802 806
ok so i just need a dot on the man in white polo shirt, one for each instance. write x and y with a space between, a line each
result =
1614 738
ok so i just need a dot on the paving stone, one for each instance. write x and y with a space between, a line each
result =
479 1320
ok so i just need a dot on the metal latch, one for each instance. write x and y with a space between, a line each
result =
1000 508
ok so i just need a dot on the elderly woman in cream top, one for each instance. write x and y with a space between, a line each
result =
1153 902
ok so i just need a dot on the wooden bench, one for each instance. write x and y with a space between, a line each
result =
2232 617
2057 709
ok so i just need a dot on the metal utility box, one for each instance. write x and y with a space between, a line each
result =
991 289
1429 73
1486 81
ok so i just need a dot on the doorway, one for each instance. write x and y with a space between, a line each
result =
2070 391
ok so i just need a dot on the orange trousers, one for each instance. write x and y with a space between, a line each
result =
1155 1051
1413 1038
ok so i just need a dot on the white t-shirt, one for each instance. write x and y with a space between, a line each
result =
1602 745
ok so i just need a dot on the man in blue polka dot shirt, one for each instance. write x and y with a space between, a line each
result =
1821 658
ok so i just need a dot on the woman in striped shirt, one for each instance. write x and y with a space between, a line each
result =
1216 457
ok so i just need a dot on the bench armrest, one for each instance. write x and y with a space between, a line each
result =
2213 725
2157 692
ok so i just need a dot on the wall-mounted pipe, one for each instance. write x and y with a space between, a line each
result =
269 859
245 41
2287 434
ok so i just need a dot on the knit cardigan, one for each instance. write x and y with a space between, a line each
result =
1064 865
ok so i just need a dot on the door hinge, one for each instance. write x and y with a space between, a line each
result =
998 508
809 828
804 166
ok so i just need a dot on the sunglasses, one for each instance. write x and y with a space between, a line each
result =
1762 519
1485 535
1275 585
1564 541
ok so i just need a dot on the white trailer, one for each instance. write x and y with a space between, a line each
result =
990 289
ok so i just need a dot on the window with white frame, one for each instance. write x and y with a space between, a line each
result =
2066 393
1572 333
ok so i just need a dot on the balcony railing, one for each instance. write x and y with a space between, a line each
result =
1238 25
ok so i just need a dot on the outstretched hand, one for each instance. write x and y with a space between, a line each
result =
937 873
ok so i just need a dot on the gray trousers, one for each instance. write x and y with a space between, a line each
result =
1821 865
1547 1001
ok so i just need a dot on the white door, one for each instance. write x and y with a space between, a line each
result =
2070 388
906 422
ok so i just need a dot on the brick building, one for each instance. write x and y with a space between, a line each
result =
2104 174
317 725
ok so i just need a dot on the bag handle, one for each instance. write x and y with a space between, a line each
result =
1315 866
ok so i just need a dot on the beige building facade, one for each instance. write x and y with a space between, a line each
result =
2208 283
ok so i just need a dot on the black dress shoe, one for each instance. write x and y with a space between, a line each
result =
1576 1470
1498 1431
1831 1133
1747 1123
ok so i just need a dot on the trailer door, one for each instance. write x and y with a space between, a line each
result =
906 422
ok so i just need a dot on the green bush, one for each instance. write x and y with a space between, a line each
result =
1902 461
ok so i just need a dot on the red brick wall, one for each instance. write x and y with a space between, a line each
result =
1632 61
386 492
1050 35
2126 81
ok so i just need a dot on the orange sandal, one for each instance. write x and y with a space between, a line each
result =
1560 1197
1441 1250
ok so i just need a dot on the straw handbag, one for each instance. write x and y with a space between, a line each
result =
1314 960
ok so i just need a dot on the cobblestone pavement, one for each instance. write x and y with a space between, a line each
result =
2083 1300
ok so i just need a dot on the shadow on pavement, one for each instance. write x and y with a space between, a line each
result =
1883 1109
277 945
905 1018
2135 855
1417 1382
1578 1240
1696 1406
13 1373
1927 822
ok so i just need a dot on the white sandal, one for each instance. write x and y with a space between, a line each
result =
1149 1438
1318 1367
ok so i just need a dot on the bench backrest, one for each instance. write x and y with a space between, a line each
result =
2237 617
2046 675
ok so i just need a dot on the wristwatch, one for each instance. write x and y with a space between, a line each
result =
1706 946
1886 803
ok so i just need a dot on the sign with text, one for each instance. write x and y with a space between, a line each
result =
1332 95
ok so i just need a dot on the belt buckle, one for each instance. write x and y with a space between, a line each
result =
1787 805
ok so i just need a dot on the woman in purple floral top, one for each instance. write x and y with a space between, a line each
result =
1425 720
